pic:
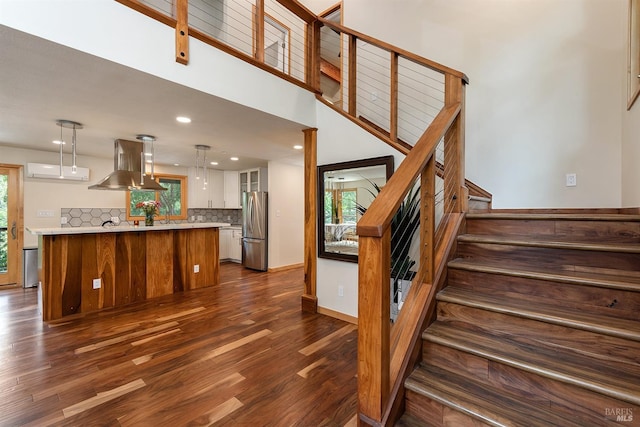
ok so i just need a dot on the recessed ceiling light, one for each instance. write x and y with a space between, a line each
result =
214 163
183 119
148 154
297 147
235 159
176 164
57 142
148 161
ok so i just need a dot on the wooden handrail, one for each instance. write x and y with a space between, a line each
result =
379 214
390 48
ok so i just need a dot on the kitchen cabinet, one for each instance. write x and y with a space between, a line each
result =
225 239
231 190
235 245
253 180
211 196
231 244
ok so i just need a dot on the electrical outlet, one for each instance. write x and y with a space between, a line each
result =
63 220
97 283
115 220
196 268
572 180
340 291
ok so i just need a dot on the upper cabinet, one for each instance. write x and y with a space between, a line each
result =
231 190
224 188
253 180
206 196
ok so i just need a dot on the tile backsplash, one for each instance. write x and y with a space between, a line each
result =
93 217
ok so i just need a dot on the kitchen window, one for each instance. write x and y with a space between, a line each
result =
173 201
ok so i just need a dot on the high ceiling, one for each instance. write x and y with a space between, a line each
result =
41 82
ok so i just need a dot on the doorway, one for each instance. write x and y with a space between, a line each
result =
11 224
276 44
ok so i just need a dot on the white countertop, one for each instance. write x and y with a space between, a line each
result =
123 228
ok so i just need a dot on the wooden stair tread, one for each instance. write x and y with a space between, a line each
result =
549 242
534 357
577 277
555 216
565 316
481 401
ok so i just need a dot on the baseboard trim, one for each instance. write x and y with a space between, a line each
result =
286 267
337 315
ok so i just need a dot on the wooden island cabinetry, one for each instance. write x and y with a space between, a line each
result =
128 264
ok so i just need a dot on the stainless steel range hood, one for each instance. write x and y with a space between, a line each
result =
128 161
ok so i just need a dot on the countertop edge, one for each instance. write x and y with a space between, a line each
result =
124 229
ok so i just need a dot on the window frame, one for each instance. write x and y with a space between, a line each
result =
183 197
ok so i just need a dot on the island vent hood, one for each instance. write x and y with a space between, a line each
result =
128 160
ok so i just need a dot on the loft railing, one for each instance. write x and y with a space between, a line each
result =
276 35
414 104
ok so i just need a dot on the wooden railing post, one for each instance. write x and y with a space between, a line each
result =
312 64
427 220
393 102
353 61
456 194
374 325
259 35
182 31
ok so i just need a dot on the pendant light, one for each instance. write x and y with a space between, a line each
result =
202 158
69 124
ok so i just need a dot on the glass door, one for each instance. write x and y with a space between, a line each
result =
10 225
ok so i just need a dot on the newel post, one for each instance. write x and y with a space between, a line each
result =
373 325
456 194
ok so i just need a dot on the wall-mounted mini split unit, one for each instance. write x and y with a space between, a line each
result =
41 170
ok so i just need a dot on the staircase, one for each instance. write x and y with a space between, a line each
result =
539 325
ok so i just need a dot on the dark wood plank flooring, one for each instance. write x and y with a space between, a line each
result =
241 354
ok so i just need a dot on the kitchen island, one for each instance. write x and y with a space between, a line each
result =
85 269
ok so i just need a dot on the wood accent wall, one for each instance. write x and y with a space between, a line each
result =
133 266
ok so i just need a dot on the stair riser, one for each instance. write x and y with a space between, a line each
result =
613 302
574 402
435 414
607 350
573 230
558 259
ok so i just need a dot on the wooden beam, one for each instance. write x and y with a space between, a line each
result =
310 299
330 70
182 32
299 10
312 55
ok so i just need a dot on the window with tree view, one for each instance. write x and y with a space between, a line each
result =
173 203
340 206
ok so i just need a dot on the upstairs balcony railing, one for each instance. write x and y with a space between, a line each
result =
415 105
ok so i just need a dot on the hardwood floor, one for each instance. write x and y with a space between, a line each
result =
241 354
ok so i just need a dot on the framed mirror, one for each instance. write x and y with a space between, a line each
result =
344 191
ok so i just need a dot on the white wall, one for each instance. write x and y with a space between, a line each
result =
631 158
286 214
339 140
546 91
52 194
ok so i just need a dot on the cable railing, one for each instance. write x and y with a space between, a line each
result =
274 35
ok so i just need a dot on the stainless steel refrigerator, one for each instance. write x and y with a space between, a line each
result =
254 230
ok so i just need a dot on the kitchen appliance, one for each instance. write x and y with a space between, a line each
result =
254 230
128 171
